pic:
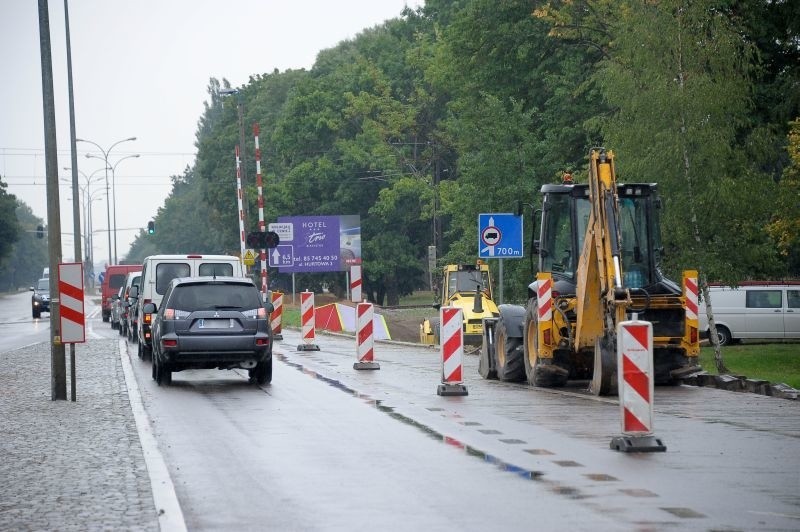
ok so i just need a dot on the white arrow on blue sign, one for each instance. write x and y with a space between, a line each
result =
499 236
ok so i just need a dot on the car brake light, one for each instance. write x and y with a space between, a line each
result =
148 318
169 343
262 341
262 312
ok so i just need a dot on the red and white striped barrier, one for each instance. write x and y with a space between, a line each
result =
71 310
365 340
452 346
277 315
307 313
239 202
635 381
261 225
355 283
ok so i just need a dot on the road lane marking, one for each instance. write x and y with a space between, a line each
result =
170 515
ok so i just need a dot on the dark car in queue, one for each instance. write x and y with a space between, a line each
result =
211 322
40 300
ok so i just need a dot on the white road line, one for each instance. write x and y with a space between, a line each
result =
170 515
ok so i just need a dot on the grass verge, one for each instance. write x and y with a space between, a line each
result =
776 363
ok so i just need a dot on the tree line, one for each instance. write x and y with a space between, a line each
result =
460 108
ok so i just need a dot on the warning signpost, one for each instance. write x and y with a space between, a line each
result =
71 310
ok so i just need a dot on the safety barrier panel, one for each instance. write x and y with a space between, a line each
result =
277 315
452 347
365 339
307 322
635 380
71 309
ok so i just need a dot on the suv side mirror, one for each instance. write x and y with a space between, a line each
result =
134 292
149 308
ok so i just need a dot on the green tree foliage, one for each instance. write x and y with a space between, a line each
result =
9 227
22 267
458 108
785 226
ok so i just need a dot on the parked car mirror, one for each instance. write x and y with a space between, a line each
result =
269 307
134 292
149 308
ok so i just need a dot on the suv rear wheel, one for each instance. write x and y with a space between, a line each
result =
262 373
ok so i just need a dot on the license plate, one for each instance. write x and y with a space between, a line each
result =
214 324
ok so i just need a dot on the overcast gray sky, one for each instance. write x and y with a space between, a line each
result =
140 69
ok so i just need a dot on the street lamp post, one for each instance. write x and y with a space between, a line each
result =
87 221
108 206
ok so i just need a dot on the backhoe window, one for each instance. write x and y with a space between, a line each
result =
467 281
556 248
635 251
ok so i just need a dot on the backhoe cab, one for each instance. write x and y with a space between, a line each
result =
599 262
469 287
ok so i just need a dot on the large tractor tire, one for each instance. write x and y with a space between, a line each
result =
486 360
541 372
508 355
604 376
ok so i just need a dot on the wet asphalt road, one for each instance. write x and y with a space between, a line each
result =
329 447
326 447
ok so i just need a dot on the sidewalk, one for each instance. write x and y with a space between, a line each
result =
70 465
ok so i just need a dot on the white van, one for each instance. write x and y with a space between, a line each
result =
754 309
159 270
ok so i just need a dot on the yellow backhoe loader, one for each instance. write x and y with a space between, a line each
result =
599 255
469 287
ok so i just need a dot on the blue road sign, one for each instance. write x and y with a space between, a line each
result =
499 236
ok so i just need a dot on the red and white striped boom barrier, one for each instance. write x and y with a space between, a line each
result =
365 339
635 381
355 283
277 315
452 347
71 309
261 226
307 314
239 200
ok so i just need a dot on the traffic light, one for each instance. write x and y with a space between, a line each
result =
262 239
39 231
151 227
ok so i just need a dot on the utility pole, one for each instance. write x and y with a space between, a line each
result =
58 370
76 217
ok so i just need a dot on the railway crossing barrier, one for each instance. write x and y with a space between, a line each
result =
365 339
277 315
635 378
452 347
307 322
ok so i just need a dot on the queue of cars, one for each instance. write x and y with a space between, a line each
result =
193 312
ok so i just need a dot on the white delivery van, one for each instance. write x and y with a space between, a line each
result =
159 270
754 309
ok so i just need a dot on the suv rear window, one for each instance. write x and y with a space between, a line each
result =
211 296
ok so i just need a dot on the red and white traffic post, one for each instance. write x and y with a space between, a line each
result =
277 315
307 322
365 339
452 347
355 283
635 381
